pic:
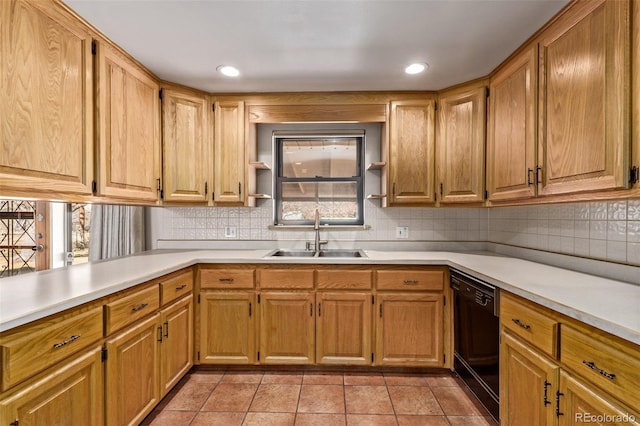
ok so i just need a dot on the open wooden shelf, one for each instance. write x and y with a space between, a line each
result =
378 165
259 165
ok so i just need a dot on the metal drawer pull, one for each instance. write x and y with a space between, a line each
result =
225 280
592 365
521 324
139 307
180 287
411 282
558 395
66 342
166 329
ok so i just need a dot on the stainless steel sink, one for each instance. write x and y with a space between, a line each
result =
292 253
341 253
322 253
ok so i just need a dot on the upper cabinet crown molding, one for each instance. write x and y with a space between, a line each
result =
460 143
128 137
46 78
584 91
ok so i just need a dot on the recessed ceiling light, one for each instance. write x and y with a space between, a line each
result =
416 68
228 70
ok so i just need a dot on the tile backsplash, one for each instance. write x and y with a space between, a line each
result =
425 224
604 230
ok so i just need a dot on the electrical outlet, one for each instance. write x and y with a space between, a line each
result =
402 232
230 232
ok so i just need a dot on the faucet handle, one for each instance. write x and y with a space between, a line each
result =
322 243
309 245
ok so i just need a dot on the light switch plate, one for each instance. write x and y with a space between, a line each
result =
402 232
230 232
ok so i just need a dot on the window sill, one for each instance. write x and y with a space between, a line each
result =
322 227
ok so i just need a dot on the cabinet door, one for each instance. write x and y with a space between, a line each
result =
409 330
227 328
129 132
580 404
460 145
511 144
411 152
635 87
176 348
528 382
584 99
229 152
185 146
343 328
287 325
132 387
71 394
46 113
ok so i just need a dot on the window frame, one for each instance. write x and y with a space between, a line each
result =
278 142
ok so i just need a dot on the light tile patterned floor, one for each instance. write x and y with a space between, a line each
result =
231 398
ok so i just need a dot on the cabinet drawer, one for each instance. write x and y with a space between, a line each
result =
129 309
37 348
175 287
603 361
227 278
344 279
533 326
285 278
410 280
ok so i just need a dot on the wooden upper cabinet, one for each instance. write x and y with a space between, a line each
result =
229 156
185 146
411 152
46 113
635 85
511 143
128 137
460 144
584 99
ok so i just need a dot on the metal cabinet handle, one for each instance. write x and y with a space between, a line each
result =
166 329
529 173
180 287
521 324
546 399
225 280
558 395
411 282
310 309
319 309
66 342
139 307
592 365
160 333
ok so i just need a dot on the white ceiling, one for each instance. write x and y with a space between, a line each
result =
318 45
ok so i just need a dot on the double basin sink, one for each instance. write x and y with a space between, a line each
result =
321 253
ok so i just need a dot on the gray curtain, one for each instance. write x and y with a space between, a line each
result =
116 231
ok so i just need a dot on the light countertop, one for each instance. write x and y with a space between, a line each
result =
610 305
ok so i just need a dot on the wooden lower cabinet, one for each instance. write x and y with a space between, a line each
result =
528 381
580 404
227 327
132 365
71 394
176 348
409 330
343 328
287 327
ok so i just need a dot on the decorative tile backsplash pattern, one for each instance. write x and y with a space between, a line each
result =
605 230
425 224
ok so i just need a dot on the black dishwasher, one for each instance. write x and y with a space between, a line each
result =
476 338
